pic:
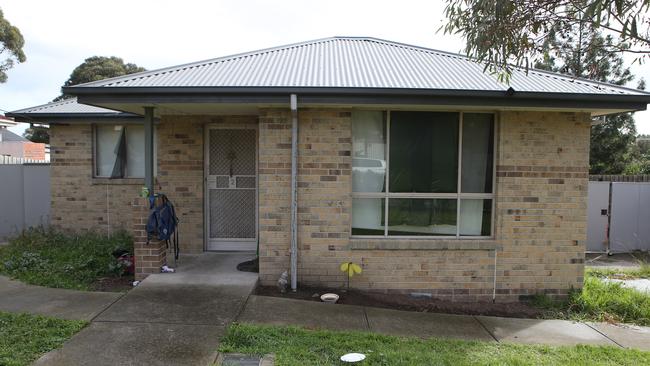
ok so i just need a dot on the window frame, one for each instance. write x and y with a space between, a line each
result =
387 195
94 151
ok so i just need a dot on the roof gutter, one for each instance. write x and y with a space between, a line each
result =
318 95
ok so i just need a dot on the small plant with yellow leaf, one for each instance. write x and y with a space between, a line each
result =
350 269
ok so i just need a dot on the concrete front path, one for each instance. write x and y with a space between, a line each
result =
18 297
169 319
311 314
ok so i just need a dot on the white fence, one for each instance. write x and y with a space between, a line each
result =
24 195
618 217
10 160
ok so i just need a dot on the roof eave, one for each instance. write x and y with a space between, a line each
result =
28 117
323 95
163 90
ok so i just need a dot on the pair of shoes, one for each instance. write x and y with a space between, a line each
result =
165 269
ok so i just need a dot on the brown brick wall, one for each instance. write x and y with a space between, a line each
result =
274 192
80 202
541 213
541 192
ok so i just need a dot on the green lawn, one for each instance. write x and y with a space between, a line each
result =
65 260
602 301
297 346
24 337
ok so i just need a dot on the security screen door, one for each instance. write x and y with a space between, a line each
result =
231 199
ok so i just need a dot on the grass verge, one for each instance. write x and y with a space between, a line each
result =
56 259
600 301
297 346
24 337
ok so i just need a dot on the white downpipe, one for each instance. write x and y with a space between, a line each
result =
294 192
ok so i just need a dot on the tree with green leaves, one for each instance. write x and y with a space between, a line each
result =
507 33
37 134
98 68
11 47
92 69
581 50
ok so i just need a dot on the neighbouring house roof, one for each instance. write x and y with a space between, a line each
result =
353 62
67 109
7 122
8 136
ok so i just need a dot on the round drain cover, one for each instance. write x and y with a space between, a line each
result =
353 357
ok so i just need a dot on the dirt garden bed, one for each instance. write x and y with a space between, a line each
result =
408 303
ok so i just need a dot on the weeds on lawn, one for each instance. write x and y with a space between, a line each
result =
624 274
24 337
54 258
600 301
298 346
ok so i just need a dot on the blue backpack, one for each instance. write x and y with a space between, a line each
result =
162 222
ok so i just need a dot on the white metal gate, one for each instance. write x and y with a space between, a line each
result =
231 188
618 216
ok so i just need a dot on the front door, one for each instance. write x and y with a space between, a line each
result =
231 188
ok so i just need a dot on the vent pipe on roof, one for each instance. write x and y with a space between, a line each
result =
294 192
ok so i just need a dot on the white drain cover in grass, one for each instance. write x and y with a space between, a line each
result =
353 357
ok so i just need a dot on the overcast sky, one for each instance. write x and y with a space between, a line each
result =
59 35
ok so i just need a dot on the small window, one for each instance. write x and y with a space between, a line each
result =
119 151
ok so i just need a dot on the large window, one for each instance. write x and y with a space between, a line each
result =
422 174
119 151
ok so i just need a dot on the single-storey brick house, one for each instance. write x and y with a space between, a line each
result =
412 162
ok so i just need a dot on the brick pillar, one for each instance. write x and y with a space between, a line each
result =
148 257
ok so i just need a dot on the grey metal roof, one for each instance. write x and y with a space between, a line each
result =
6 135
65 109
67 106
352 62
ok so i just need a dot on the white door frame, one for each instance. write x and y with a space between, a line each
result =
230 244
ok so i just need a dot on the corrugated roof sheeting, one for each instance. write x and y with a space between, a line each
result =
65 106
348 62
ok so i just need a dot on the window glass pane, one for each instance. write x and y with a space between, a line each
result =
368 151
107 138
423 152
368 216
478 146
475 217
135 151
416 217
